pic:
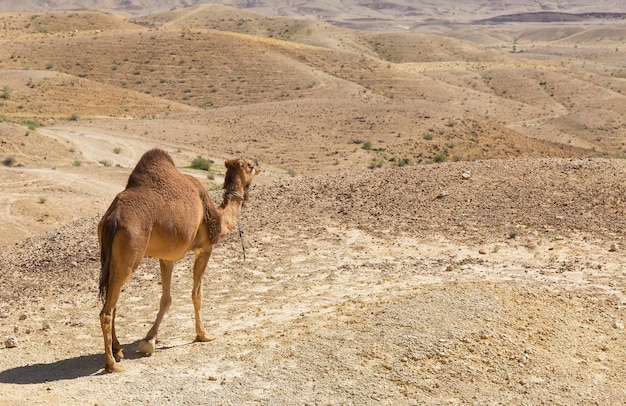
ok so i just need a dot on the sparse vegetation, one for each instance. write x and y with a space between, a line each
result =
403 162
201 163
9 161
5 94
367 145
376 163
32 125
440 157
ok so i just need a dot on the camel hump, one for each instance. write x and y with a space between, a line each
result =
153 166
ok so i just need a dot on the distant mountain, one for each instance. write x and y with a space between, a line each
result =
351 13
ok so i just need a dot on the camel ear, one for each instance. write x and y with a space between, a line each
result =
242 163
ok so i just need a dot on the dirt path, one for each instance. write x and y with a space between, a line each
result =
38 199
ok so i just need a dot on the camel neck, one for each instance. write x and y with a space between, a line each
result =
229 211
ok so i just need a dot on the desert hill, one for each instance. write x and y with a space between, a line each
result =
439 219
183 58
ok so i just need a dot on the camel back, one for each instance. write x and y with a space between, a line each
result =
154 167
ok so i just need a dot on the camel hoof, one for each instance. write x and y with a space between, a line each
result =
146 346
114 367
206 337
118 354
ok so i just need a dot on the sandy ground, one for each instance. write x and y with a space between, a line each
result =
490 282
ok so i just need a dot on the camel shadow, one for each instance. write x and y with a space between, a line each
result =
66 369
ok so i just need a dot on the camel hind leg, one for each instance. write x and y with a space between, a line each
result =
107 317
117 348
199 266
147 345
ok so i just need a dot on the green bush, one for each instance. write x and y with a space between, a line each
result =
441 157
201 163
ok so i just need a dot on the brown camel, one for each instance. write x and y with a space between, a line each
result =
163 213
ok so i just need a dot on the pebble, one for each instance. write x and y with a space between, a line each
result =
11 342
614 247
466 175
618 325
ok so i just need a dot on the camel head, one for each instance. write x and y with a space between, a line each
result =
239 174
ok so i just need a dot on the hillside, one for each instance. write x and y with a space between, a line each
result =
535 93
494 291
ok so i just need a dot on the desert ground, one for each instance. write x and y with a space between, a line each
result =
439 219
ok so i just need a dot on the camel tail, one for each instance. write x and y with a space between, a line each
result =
109 227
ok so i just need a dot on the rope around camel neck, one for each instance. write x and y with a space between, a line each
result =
243 247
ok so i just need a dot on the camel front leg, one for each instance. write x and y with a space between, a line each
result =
202 259
148 344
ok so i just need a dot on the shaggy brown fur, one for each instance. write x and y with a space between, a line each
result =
163 213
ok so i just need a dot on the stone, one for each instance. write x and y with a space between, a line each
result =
11 342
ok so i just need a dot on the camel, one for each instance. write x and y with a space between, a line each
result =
163 213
